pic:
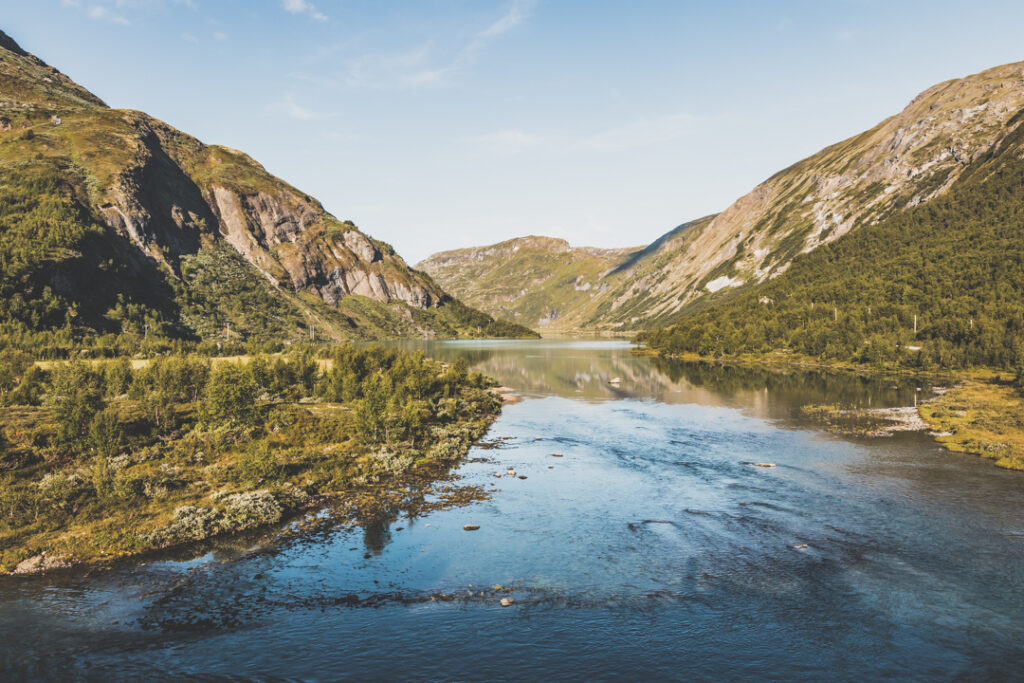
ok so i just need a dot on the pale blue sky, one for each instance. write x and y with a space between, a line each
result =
436 124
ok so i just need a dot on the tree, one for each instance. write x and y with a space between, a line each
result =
76 393
229 396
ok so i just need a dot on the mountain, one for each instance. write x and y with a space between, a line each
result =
938 285
903 162
113 223
521 278
543 282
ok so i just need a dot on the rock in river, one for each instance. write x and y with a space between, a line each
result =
470 527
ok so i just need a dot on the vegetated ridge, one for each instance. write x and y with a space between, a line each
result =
906 161
116 227
940 285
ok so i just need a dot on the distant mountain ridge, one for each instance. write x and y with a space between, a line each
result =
905 161
114 222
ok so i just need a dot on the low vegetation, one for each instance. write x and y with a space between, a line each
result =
103 459
985 419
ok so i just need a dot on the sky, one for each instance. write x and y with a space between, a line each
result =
439 124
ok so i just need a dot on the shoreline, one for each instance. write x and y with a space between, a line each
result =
383 495
979 414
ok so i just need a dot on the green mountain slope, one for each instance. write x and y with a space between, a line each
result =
907 160
115 226
544 283
941 284
537 281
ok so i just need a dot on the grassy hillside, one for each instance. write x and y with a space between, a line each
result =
100 461
537 281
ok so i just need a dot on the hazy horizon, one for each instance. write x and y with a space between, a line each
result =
449 124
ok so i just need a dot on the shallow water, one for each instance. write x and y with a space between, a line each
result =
648 550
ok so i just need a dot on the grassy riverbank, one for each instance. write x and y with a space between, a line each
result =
787 359
106 461
985 419
982 414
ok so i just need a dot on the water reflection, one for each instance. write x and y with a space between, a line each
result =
603 371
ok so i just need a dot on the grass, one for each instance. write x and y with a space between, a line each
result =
985 419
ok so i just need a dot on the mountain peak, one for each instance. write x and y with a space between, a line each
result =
142 220
26 80
11 45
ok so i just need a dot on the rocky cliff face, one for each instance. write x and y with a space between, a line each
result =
171 197
902 162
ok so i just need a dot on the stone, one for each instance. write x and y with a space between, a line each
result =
470 527
40 563
760 464
507 602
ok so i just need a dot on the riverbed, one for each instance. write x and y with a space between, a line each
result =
633 539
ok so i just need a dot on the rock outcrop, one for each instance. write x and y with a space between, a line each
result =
170 200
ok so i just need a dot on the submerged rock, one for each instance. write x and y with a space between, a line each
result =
760 464
470 527
507 602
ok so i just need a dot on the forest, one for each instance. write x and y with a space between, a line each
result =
103 459
937 286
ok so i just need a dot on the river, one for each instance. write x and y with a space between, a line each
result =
648 550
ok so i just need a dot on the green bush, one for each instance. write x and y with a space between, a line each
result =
229 397
259 465
76 393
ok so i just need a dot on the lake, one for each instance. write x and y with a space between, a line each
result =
648 550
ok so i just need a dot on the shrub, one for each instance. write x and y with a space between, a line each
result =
259 465
230 396
190 523
29 391
105 433
76 393
390 461
250 510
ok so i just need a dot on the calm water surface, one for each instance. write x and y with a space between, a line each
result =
647 551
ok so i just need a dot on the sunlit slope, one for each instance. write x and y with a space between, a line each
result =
114 222
941 284
905 161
